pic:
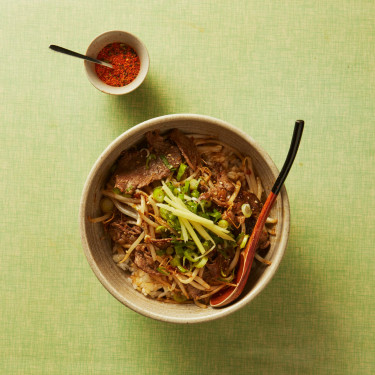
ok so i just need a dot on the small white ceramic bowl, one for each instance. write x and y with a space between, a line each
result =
97 245
112 37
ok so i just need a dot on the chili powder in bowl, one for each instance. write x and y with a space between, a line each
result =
126 53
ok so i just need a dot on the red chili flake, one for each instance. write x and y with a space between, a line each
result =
125 61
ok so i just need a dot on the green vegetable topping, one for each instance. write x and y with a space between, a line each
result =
201 263
160 252
158 194
106 205
244 241
162 270
246 210
216 215
161 229
116 190
223 224
181 171
176 262
192 206
164 213
194 184
195 194
166 163
207 245
179 297
186 187
191 256
205 204
181 196
148 159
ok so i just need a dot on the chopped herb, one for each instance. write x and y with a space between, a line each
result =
186 187
148 159
180 298
166 163
161 229
158 194
216 215
201 263
176 262
244 241
163 271
181 171
195 194
194 184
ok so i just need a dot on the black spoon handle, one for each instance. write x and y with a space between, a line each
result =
297 134
76 54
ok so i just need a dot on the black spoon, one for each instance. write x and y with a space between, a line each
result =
75 54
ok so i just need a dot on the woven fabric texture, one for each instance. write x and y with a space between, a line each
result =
260 65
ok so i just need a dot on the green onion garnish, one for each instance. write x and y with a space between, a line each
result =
246 210
244 241
158 194
166 163
148 159
181 171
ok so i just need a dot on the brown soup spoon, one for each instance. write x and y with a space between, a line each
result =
231 293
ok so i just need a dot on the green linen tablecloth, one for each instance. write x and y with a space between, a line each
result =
259 65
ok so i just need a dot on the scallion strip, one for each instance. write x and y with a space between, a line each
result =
166 162
244 241
148 159
181 171
246 210
201 263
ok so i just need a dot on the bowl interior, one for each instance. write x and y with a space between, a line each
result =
97 245
111 37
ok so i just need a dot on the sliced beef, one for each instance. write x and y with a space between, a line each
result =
132 172
218 196
212 271
187 148
121 232
222 189
255 204
250 198
161 243
144 261
194 292
222 181
162 147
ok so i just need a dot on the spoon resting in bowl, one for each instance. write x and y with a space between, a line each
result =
80 56
231 293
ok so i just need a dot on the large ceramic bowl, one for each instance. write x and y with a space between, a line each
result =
97 245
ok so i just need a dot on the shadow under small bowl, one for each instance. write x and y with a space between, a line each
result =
97 244
112 37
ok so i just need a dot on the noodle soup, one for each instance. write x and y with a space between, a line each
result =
179 209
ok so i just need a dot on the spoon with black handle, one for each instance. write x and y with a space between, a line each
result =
76 54
231 293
